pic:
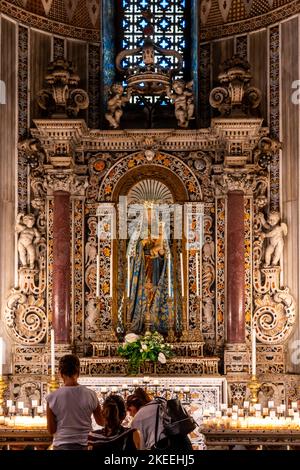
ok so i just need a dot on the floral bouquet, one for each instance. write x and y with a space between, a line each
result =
139 349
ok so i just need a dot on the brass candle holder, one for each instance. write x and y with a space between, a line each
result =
254 387
3 387
53 384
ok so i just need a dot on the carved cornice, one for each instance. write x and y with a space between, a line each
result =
233 137
60 138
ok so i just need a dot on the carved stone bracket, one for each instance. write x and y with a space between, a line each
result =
236 96
62 97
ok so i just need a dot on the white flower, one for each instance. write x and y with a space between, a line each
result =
131 338
162 358
144 347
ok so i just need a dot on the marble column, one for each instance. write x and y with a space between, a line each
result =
235 268
61 267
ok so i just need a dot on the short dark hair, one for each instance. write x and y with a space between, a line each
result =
69 365
135 401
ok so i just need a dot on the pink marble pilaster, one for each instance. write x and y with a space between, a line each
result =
235 268
61 267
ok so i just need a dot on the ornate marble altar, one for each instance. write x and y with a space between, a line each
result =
71 278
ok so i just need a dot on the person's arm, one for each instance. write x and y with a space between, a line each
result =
137 439
97 413
51 421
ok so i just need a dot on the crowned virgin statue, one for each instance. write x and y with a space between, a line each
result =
149 262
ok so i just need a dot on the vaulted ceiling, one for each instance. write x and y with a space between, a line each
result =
81 18
85 13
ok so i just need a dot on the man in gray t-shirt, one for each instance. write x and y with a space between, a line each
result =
70 408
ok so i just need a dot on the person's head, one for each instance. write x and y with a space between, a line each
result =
69 366
133 404
140 393
111 416
119 401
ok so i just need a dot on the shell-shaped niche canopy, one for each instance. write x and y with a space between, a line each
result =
150 191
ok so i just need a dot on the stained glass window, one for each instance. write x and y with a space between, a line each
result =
168 19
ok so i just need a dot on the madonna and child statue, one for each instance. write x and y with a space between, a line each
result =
149 277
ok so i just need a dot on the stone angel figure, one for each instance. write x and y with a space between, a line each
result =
115 104
28 237
182 96
277 230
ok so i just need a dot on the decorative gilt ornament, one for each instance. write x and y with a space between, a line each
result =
62 98
265 150
236 97
150 190
145 77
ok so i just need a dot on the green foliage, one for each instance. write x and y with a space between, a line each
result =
139 349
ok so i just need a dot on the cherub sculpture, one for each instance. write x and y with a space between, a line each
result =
277 230
115 103
29 236
183 101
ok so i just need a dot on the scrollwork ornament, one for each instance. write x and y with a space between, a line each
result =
275 311
219 98
25 318
78 99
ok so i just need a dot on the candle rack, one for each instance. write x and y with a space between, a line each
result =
3 387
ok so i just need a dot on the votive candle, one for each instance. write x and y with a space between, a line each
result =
52 341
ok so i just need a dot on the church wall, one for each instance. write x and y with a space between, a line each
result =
76 51
40 56
290 193
221 51
8 138
258 59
